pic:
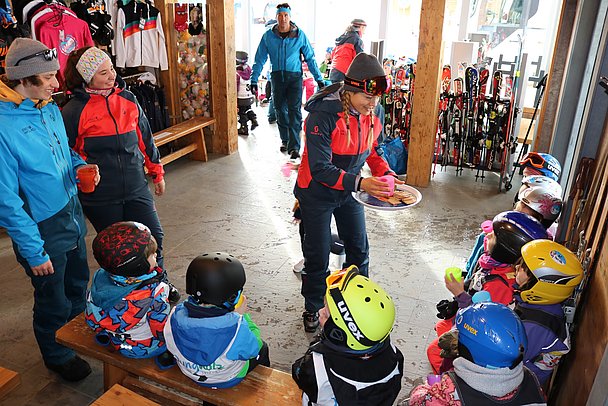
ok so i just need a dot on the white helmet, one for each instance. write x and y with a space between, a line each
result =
543 200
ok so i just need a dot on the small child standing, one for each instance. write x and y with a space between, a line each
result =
546 275
210 335
128 304
245 97
353 361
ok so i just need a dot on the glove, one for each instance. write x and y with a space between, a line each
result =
321 84
447 309
254 89
165 360
448 342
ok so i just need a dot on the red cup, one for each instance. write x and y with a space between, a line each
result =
390 179
86 176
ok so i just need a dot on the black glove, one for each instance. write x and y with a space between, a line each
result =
254 89
447 309
321 84
165 360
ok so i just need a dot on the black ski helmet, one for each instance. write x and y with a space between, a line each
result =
215 278
513 230
241 57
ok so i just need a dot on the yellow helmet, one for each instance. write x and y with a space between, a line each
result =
557 270
361 312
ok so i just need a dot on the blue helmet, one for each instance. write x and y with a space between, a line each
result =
513 230
546 164
492 334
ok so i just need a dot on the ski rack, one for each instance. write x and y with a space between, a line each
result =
473 129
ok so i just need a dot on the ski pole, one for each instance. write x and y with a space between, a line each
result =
541 85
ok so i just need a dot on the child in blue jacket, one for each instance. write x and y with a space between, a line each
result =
128 304
213 344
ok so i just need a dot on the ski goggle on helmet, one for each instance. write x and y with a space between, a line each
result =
361 312
556 269
375 86
492 335
544 163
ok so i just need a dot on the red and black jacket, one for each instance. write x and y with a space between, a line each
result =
331 162
113 133
348 45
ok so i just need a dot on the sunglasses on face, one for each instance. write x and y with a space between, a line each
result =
534 160
374 87
48 54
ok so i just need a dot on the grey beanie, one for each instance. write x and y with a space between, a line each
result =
358 22
24 47
364 66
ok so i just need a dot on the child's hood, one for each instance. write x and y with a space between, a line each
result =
203 340
106 291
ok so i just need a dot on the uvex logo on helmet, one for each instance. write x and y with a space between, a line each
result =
350 323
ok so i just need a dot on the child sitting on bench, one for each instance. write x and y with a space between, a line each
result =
128 304
210 335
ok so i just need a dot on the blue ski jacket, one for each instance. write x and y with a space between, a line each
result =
284 54
37 171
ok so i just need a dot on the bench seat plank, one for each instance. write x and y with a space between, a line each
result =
179 130
9 380
118 395
192 131
262 386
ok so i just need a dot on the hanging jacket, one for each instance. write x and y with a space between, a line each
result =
548 337
348 45
331 163
285 54
113 133
212 349
56 26
129 314
37 178
331 377
140 40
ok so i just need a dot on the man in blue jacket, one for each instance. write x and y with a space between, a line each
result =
39 205
286 45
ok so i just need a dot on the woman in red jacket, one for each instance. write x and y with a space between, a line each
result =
341 133
106 126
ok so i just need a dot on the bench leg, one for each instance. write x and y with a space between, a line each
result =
201 150
112 375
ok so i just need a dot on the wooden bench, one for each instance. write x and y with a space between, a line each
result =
118 395
191 131
9 380
262 386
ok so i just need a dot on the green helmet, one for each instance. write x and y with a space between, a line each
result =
361 312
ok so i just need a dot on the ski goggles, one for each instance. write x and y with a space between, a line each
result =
48 54
534 160
375 86
339 279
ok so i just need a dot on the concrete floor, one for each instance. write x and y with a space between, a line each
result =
241 204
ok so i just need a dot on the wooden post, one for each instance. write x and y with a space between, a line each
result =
426 93
223 75
548 111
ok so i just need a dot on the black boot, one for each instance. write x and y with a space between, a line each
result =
254 124
243 130
73 370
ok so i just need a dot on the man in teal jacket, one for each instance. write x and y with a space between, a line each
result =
39 205
286 45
